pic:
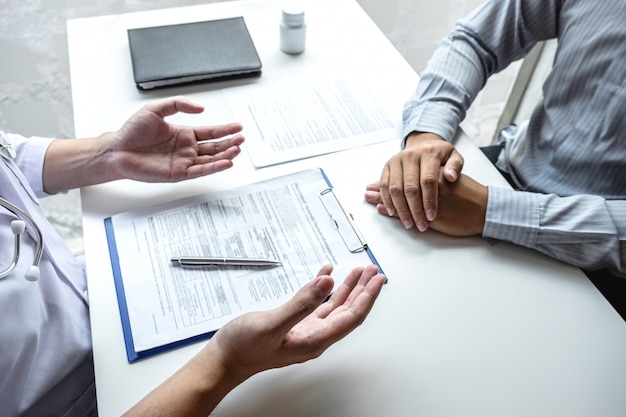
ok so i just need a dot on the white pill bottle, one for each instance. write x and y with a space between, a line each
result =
292 28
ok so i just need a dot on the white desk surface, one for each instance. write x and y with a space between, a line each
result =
461 329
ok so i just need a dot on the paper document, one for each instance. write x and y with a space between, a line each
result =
299 118
286 218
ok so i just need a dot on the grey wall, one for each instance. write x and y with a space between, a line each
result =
415 27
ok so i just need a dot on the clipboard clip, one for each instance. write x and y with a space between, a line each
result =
343 221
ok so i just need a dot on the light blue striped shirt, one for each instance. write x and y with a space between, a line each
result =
568 162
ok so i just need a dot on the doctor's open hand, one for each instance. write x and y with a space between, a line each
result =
146 148
149 149
408 187
299 330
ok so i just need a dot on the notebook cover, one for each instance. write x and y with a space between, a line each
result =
191 52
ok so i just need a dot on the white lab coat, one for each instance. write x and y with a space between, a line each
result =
46 364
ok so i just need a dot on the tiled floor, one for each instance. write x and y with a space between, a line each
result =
35 90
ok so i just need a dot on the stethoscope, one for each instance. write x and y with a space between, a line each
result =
19 226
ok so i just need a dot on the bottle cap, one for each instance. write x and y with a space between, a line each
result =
293 13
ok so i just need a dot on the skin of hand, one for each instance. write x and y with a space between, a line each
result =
146 148
462 206
299 330
409 183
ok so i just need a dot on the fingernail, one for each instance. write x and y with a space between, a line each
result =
454 174
422 226
325 285
430 215
390 211
407 224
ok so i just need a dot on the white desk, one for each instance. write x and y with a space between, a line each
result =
462 328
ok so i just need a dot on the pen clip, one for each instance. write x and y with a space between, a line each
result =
343 221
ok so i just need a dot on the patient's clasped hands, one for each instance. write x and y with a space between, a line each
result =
423 186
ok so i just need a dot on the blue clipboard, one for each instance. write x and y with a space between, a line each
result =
131 353
346 227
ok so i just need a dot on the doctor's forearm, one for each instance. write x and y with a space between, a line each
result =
193 391
75 163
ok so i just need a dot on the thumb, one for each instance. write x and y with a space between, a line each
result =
453 167
172 105
303 303
187 106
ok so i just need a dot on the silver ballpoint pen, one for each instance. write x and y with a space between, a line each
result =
191 261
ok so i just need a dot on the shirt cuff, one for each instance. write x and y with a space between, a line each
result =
31 153
431 118
512 216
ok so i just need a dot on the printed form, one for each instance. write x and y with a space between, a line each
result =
299 118
283 218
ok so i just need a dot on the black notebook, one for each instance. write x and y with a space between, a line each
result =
192 52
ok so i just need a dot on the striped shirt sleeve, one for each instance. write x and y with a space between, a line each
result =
583 230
